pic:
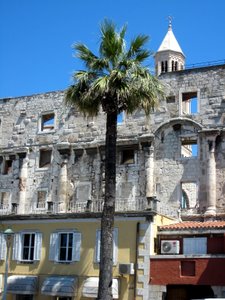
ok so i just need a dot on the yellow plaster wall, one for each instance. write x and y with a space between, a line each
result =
86 266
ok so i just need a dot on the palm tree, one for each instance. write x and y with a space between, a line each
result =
115 81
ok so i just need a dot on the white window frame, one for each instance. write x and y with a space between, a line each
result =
98 246
18 246
195 245
54 248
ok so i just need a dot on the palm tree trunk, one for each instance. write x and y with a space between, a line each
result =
107 222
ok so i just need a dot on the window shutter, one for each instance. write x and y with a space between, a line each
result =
54 247
195 245
115 246
97 245
2 246
17 247
76 246
37 246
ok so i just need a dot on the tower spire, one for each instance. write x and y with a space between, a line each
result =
169 57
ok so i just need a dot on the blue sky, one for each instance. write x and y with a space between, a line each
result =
36 35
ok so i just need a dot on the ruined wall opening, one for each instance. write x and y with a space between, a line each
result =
127 157
188 197
190 103
45 158
47 122
189 148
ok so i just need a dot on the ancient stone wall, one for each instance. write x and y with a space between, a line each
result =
52 157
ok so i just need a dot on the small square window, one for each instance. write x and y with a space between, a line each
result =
187 268
47 122
45 158
127 156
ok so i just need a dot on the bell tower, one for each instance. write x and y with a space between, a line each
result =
169 57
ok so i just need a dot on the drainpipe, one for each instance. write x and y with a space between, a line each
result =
136 259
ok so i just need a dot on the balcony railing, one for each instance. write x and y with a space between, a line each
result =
122 205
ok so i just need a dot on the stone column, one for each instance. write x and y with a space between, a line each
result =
62 189
23 173
149 169
211 178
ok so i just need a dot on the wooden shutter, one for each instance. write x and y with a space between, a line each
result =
17 247
97 245
76 246
2 246
54 247
115 245
37 245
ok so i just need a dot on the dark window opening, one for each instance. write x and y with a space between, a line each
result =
45 158
189 103
28 246
65 246
47 122
7 167
164 66
174 65
127 156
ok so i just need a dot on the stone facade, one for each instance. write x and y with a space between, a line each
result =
58 164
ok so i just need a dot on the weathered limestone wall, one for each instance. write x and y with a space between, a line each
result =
75 144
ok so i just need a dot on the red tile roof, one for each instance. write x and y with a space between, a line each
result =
194 225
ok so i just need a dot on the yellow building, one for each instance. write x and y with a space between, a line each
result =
57 257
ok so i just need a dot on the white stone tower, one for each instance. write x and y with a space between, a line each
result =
169 57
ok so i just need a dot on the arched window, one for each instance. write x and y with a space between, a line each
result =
166 66
162 67
184 200
175 67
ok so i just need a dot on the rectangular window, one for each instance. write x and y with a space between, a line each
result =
41 199
195 245
65 246
45 158
189 103
27 246
4 199
48 122
7 166
189 148
127 156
